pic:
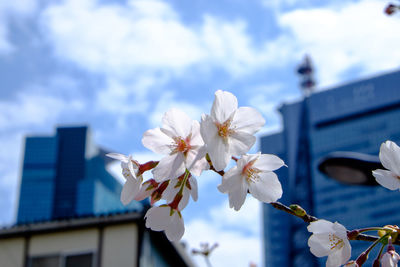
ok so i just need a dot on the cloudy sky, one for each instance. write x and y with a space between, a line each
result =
118 65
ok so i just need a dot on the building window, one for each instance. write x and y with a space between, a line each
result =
70 260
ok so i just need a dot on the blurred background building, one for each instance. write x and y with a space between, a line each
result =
70 212
356 117
65 176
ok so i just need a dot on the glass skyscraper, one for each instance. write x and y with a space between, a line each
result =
357 117
65 176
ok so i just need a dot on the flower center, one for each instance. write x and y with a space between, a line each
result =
250 173
181 145
335 242
224 129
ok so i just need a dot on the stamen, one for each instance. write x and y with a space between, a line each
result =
335 242
224 129
251 174
181 145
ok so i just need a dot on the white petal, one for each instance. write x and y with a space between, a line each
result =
218 150
196 162
248 120
319 245
193 185
267 189
118 156
231 180
169 167
157 141
237 197
208 129
185 200
196 139
157 218
389 155
339 256
240 143
176 228
171 190
268 162
321 226
177 122
225 104
340 230
386 179
129 191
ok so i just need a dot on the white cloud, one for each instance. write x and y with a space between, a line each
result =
148 36
168 100
237 233
343 37
31 109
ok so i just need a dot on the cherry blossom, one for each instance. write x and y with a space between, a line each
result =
229 130
179 138
253 173
188 189
329 239
166 218
130 170
389 156
390 259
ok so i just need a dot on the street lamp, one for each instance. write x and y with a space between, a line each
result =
350 167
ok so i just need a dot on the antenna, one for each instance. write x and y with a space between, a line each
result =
306 72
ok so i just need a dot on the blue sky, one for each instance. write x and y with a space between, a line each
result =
119 65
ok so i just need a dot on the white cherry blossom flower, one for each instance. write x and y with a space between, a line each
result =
189 189
179 138
253 173
329 239
130 169
389 155
167 219
390 259
229 130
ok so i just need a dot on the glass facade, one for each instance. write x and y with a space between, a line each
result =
65 176
355 117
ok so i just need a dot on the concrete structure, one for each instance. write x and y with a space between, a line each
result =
65 176
356 117
111 240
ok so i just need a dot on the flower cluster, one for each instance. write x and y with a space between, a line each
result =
225 135
191 147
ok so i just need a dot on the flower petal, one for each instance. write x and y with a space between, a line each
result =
237 197
225 103
267 189
240 143
157 218
339 256
118 156
231 180
129 191
157 141
386 179
169 167
389 155
218 150
176 228
319 245
268 162
194 191
177 122
247 119
320 226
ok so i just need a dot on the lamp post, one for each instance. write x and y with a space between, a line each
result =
350 167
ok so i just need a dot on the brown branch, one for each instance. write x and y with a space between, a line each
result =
308 219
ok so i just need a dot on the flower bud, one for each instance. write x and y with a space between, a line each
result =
298 210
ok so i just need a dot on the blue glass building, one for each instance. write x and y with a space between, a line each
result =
357 117
65 176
